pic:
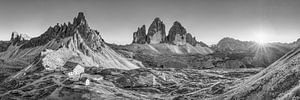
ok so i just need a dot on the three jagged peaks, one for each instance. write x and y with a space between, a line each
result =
156 34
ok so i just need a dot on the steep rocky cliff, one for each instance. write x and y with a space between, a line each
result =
177 34
140 35
156 32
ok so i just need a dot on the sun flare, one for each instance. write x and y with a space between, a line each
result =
260 38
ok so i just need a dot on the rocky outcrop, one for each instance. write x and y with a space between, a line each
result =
156 32
192 40
17 38
140 35
177 34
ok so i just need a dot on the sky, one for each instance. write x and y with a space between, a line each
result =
116 20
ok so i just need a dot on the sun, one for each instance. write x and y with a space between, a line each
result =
260 38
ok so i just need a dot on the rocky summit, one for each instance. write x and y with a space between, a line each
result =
156 32
177 34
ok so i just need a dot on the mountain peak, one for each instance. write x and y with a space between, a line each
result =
80 19
156 32
60 31
157 19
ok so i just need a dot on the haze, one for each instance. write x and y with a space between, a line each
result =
116 20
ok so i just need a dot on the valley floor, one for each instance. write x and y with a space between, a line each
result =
96 83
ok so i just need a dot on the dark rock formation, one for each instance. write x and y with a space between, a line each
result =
190 39
177 34
17 39
140 35
156 32
79 25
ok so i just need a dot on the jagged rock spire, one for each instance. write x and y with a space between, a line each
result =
177 34
79 25
156 32
140 35
80 19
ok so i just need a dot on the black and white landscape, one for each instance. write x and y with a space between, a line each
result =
163 60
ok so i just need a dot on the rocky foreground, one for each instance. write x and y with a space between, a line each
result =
95 83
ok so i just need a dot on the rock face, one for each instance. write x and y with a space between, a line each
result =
140 35
177 34
156 32
190 39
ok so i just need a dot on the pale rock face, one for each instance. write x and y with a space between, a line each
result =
54 60
156 38
180 39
